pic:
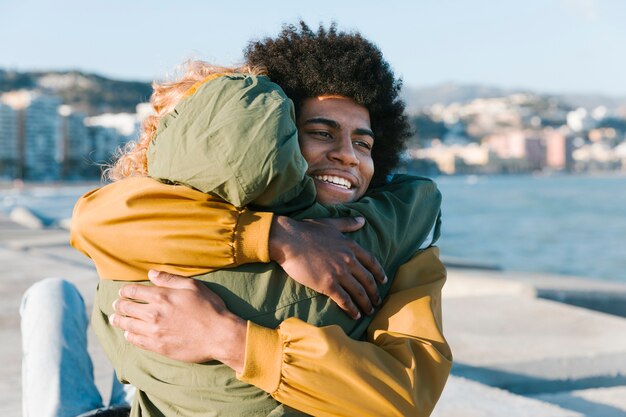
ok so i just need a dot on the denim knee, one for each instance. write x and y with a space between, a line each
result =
51 293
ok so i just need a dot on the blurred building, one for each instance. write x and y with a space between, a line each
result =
74 143
108 133
39 134
535 150
620 152
9 154
143 110
559 150
103 141
41 139
507 145
454 159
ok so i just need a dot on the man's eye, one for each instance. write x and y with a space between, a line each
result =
363 144
322 134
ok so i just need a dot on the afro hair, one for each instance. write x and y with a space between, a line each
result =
309 64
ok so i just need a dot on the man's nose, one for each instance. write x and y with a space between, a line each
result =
343 151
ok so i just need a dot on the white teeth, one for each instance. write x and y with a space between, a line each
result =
341 182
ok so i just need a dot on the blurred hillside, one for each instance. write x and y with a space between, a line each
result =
419 98
94 94
91 94
62 124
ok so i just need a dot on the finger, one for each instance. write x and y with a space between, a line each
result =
358 294
164 279
370 262
141 311
138 340
344 224
142 293
343 300
129 324
366 281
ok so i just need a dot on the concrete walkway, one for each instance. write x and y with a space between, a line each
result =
518 352
510 345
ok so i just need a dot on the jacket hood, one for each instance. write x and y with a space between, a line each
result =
228 139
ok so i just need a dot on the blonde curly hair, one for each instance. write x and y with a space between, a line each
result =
131 160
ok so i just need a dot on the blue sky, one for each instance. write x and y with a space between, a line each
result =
546 45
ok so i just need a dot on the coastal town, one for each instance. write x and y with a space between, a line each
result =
518 133
47 136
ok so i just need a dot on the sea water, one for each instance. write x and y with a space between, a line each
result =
50 202
572 225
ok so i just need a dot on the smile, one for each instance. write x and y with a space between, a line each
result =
332 179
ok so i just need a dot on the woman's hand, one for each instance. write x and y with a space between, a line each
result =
181 319
318 256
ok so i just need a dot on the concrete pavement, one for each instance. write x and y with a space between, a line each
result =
504 336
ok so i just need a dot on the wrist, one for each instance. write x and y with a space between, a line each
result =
234 346
278 238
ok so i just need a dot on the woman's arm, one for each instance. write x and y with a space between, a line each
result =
137 224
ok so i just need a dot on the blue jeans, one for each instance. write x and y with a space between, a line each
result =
57 372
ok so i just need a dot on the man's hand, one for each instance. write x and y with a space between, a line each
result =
182 319
317 255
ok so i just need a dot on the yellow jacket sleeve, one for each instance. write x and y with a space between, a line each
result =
222 236
400 370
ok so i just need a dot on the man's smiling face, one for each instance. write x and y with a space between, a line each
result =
336 140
